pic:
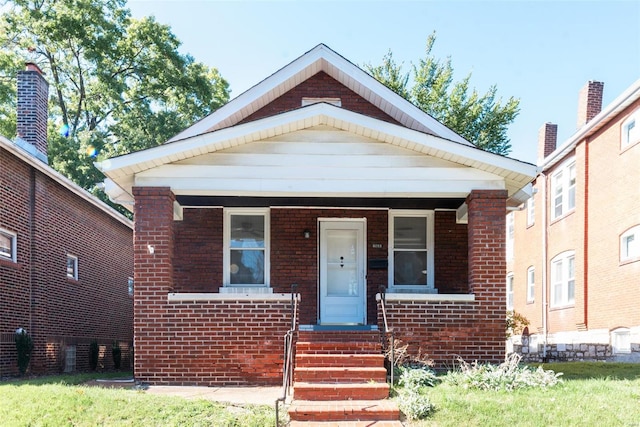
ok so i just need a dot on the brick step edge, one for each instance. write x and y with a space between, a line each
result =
344 410
344 391
343 360
340 374
345 424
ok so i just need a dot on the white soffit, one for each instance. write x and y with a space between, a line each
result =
320 58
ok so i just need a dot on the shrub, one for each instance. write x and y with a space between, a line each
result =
507 376
414 405
94 352
416 378
24 347
515 323
116 352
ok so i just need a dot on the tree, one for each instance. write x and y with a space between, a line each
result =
117 84
481 119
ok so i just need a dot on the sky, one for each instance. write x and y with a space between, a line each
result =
541 52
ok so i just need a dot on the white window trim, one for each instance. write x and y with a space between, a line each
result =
429 215
509 291
226 281
531 211
563 281
333 101
14 245
565 172
630 130
634 233
531 284
73 276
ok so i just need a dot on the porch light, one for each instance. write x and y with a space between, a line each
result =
306 234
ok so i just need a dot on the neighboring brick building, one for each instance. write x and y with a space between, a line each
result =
574 269
322 177
65 256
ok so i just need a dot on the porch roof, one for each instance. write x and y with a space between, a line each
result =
330 152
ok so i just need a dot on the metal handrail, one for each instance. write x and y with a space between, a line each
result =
388 332
287 368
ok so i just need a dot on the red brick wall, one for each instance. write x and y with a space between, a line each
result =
320 85
63 311
450 257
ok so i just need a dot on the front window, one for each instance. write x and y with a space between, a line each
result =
246 247
563 190
411 249
7 245
510 291
531 211
510 235
72 267
563 279
630 132
630 244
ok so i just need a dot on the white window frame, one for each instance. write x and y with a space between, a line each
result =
531 211
630 244
510 235
74 273
563 279
630 130
531 284
309 101
563 190
13 242
509 291
226 257
429 215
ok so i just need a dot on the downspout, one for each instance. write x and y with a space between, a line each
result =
585 243
545 238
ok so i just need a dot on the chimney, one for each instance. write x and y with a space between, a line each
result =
547 138
589 102
33 110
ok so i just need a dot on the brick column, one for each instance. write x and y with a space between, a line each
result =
153 274
487 264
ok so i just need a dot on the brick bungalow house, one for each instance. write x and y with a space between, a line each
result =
322 177
574 251
65 256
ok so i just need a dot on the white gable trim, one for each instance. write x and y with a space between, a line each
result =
321 58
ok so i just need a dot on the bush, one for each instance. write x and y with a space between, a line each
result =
416 378
515 323
24 347
414 405
94 352
507 376
116 352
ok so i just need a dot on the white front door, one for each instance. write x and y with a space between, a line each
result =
342 272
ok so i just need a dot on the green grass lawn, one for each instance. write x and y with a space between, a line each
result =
63 401
591 394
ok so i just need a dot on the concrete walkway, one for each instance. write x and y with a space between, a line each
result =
235 395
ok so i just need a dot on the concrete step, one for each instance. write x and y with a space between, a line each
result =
345 424
344 410
337 347
345 391
342 360
340 374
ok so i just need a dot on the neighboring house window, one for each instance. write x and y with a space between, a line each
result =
630 244
246 247
8 245
621 341
130 286
411 249
630 132
510 291
510 235
563 279
531 284
72 267
563 190
531 211
70 359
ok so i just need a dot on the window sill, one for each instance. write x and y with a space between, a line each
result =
629 261
427 297
563 216
181 297
72 280
5 262
562 307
